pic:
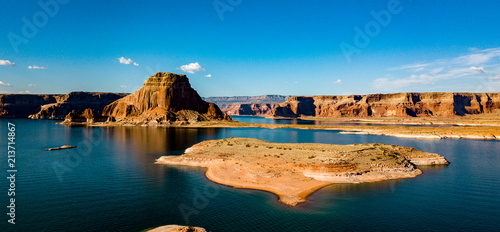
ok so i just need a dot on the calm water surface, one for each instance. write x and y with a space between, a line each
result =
110 183
295 121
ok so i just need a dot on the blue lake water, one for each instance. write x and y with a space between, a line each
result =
110 183
295 121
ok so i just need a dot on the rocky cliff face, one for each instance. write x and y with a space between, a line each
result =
390 105
224 102
23 105
75 101
164 98
249 109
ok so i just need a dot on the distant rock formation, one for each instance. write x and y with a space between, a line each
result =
389 105
23 105
52 106
223 102
249 109
165 98
76 101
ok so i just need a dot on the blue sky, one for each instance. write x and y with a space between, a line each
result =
242 47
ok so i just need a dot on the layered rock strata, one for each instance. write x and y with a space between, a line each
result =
165 98
390 105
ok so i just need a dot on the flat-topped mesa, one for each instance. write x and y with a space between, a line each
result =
165 97
390 105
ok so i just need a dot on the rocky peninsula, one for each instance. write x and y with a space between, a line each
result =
293 171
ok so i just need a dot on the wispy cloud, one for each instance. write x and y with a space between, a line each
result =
478 69
124 60
338 82
208 75
7 63
5 84
24 92
192 68
32 85
36 67
479 57
412 66
429 73
123 86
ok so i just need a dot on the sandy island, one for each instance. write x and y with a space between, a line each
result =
293 171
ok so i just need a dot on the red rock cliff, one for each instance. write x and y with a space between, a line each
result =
165 97
390 105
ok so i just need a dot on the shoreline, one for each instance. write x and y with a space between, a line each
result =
469 131
292 198
294 171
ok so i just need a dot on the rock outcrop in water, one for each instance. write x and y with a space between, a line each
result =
177 228
390 105
165 98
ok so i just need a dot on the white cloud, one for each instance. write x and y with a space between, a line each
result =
24 92
7 63
123 86
479 57
36 67
5 84
192 68
495 78
478 69
436 70
389 84
124 60
415 67
31 85
429 73
338 82
208 75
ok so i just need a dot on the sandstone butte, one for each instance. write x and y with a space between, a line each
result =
164 99
380 105
293 171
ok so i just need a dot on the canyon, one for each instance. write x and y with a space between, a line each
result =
53 106
390 105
